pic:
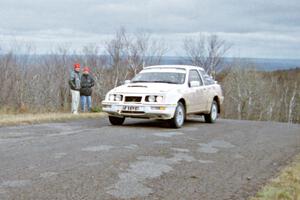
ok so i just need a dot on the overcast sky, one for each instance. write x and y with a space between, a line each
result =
256 28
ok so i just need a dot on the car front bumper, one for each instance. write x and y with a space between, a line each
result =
150 111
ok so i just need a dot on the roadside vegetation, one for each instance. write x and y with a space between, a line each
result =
32 83
17 119
263 96
285 187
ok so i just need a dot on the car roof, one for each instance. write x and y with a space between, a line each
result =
180 67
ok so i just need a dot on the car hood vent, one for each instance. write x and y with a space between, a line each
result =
138 86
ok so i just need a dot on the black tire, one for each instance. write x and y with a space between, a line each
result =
213 114
116 120
179 117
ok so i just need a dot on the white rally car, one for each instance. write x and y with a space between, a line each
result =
168 92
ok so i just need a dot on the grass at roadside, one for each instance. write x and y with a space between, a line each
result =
285 187
17 119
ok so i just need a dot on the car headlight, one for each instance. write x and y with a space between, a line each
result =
111 97
151 98
154 98
159 99
115 97
118 97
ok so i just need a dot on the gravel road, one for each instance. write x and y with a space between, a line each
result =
143 159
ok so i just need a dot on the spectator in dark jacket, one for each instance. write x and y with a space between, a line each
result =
74 83
87 82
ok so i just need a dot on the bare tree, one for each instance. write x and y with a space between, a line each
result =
130 52
257 95
115 48
142 50
206 51
292 103
244 91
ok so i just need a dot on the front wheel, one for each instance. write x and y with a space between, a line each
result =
116 120
212 116
178 120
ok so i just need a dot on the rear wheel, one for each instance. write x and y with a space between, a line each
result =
178 120
116 120
213 115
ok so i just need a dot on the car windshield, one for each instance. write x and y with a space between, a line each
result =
160 77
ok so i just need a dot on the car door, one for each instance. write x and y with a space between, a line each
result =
208 92
195 94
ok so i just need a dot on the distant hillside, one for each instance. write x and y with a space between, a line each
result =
261 63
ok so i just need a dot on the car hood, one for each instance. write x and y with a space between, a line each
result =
144 88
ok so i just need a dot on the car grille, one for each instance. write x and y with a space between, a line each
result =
132 112
132 99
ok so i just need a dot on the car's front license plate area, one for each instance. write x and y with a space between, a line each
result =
131 108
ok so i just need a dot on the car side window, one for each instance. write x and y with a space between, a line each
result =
194 76
207 79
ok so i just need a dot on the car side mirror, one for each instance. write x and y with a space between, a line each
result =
194 84
127 82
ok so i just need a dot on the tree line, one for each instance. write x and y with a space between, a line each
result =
32 83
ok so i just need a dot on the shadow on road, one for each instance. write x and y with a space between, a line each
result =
142 123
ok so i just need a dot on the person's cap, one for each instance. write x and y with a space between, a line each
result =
76 65
86 69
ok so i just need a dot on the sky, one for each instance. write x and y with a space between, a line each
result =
255 28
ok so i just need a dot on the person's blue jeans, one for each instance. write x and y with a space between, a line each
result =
86 101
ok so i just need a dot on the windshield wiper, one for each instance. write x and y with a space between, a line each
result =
170 82
140 81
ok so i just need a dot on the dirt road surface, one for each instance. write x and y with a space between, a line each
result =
90 159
